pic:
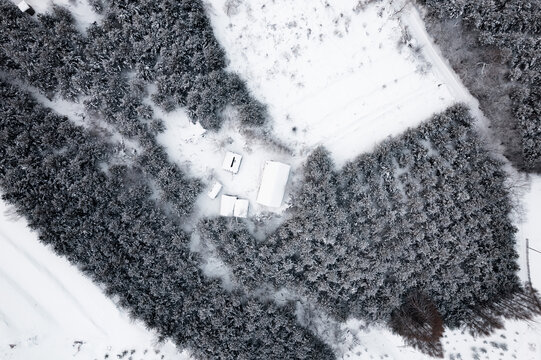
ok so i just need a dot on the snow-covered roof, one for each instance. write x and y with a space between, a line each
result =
273 184
215 190
231 206
232 162
241 208
227 205
23 6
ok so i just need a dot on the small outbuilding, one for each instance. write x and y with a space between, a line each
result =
232 206
215 190
232 162
241 208
227 205
24 7
273 184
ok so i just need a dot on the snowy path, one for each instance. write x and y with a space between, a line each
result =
411 18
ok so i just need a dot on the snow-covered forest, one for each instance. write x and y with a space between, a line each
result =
407 218
497 56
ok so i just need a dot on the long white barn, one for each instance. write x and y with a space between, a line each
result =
273 184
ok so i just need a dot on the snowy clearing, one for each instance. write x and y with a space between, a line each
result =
331 74
337 77
202 153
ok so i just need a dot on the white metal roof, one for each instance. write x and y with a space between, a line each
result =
232 162
273 184
241 208
23 6
215 190
227 205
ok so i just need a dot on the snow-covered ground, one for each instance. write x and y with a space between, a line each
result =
332 73
202 153
530 229
50 310
519 340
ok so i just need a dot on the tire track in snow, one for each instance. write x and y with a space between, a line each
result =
42 269
27 297
440 65
5 321
339 109
374 114
337 83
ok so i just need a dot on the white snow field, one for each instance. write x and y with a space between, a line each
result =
332 70
50 311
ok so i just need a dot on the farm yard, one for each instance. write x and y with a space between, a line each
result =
355 99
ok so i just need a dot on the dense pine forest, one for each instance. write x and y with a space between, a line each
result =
106 222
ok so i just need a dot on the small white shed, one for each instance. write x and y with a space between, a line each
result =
232 206
241 208
215 190
24 7
227 205
232 162
273 184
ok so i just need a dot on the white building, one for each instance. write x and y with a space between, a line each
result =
232 206
273 184
227 205
24 7
215 190
232 162
241 208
